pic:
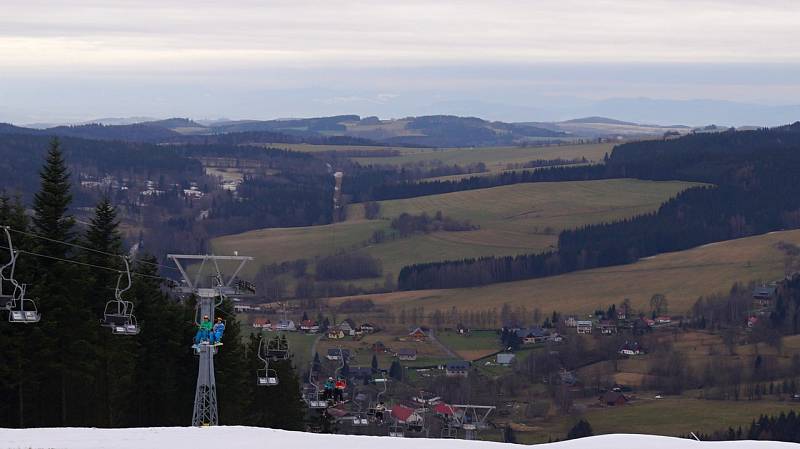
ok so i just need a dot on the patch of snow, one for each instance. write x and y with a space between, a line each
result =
231 437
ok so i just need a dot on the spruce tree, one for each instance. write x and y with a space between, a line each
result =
51 217
66 399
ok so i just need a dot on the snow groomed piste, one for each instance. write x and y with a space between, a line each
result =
253 437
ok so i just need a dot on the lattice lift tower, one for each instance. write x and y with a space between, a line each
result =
209 297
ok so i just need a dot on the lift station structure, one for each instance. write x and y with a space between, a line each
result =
210 292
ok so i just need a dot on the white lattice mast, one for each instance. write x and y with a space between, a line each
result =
209 297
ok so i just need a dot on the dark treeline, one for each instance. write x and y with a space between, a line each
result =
407 224
784 427
402 189
755 192
67 370
291 199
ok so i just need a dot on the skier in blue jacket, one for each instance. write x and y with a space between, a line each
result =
217 331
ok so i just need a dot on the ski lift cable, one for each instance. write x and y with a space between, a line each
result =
30 234
31 253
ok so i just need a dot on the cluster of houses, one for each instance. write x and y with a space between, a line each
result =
538 334
616 325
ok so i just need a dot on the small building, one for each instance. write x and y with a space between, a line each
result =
764 292
571 321
286 326
584 327
378 346
631 348
338 354
505 359
262 323
406 415
663 320
418 335
335 333
457 369
309 326
347 327
533 335
613 398
367 328
607 328
407 354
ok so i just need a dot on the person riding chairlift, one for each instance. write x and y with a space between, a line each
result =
380 409
327 393
217 331
203 331
338 394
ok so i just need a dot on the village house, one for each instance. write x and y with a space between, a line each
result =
285 326
613 398
335 333
607 327
367 328
663 320
631 348
571 321
584 327
262 323
457 369
504 359
378 346
532 335
764 294
309 326
407 354
406 415
417 335
337 354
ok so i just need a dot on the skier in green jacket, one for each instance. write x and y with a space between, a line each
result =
203 331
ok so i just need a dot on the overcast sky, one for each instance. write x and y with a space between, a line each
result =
516 59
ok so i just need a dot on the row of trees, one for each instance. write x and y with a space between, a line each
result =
67 370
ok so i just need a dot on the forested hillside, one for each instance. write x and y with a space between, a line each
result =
754 192
67 370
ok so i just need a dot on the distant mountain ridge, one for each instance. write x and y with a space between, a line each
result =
350 129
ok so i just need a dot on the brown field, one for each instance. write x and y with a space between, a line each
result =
682 276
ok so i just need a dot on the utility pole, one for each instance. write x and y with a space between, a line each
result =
208 299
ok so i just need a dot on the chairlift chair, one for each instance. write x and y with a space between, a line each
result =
20 309
23 310
118 313
267 377
313 399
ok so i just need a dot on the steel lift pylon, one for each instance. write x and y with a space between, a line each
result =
208 299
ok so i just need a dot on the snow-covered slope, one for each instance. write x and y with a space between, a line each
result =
251 438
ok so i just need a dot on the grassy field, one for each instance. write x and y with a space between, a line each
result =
515 219
472 346
495 158
682 276
668 416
